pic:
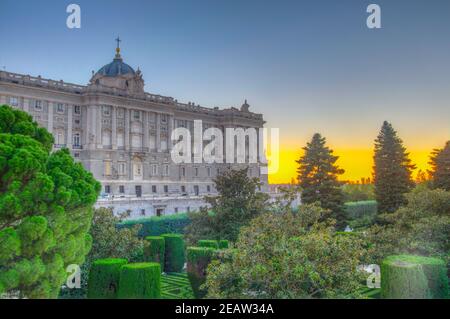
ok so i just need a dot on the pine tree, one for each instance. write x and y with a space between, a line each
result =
440 164
45 209
318 178
392 170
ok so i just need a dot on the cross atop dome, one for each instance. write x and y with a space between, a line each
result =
118 48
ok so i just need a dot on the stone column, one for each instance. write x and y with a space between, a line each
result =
146 141
114 127
26 105
91 126
98 126
169 132
69 126
84 126
50 117
158 132
127 129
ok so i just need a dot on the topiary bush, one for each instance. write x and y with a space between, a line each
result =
174 252
104 276
198 259
208 243
140 281
154 250
413 277
158 225
223 244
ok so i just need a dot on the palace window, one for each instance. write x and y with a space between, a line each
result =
107 168
121 189
122 168
166 189
166 170
106 110
164 118
183 189
182 171
154 169
208 188
209 171
60 108
154 189
107 189
196 172
13 101
77 109
38 105
76 139
136 115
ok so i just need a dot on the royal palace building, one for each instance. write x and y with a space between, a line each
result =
122 134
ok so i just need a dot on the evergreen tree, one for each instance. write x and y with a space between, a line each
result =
45 209
392 170
440 164
318 178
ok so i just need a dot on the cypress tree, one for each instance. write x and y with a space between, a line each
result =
392 170
318 178
440 164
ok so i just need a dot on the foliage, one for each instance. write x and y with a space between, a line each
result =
422 227
238 202
154 250
108 242
174 254
198 259
414 277
158 225
392 170
360 209
358 192
104 278
440 167
288 255
318 178
208 243
45 209
140 281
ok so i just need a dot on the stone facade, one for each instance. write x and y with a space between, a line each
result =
121 134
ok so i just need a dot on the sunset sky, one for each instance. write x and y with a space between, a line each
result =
307 66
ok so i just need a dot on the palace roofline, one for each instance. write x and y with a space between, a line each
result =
40 82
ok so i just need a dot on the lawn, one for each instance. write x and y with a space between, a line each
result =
176 286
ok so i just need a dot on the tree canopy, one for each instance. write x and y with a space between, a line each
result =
440 167
45 208
392 170
318 178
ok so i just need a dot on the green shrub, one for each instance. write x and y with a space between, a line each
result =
413 277
355 210
154 250
174 253
198 259
156 226
208 243
223 244
140 281
104 278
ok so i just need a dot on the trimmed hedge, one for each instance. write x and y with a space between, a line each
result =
174 253
156 226
154 250
208 243
103 282
140 281
414 277
223 244
198 259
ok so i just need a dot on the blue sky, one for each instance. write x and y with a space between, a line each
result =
306 65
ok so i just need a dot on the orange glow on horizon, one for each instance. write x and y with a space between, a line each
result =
357 163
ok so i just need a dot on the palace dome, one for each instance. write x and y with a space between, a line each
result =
115 68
